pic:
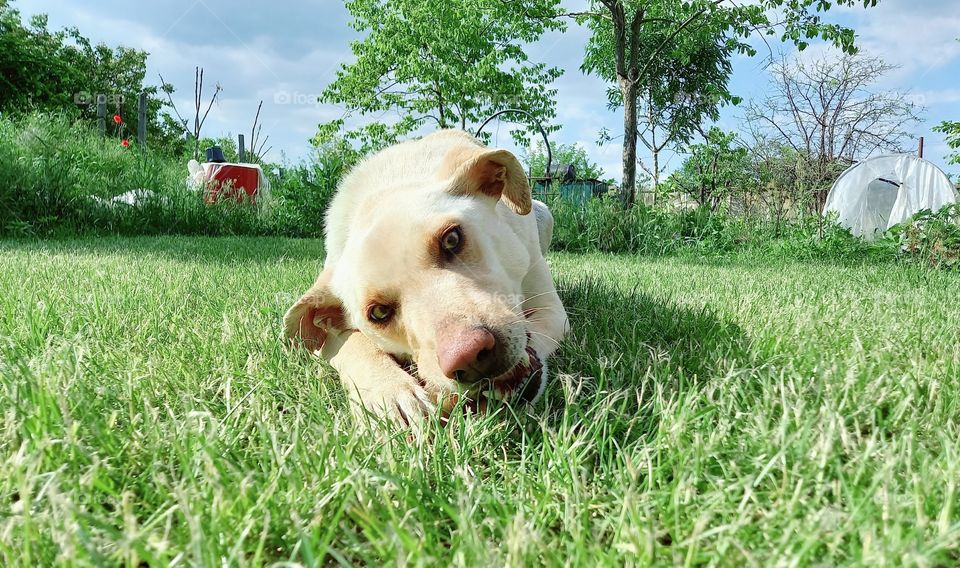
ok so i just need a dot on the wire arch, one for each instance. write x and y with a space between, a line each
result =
536 122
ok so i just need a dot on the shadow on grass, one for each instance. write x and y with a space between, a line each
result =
627 336
211 250
629 356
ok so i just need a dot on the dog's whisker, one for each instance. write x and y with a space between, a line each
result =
527 313
545 336
533 297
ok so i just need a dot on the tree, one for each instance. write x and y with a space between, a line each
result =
692 71
562 154
952 130
827 112
38 68
672 109
449 64
625 30
715 170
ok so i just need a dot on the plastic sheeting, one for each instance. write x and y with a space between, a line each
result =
881 192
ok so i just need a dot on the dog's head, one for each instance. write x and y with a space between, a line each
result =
432 274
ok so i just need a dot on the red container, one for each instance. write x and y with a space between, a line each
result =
232 181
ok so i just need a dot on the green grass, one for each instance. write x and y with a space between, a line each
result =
739 412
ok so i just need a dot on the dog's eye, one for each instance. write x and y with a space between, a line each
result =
452 240
379 313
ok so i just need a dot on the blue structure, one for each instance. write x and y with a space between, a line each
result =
577 191
562 181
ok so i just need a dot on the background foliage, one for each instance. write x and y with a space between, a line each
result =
444 64
63 71
574 154
64 188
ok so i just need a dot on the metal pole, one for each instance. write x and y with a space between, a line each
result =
242 150
102 114
142 121
921 147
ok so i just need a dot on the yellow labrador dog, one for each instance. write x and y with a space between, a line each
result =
434 285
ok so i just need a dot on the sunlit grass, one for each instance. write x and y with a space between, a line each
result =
740 412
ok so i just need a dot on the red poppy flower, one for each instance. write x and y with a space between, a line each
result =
125 143
117 119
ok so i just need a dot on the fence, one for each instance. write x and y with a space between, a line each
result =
141 117
578 191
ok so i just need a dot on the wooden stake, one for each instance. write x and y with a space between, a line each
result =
102 114
142 121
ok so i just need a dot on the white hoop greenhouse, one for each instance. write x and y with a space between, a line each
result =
880 192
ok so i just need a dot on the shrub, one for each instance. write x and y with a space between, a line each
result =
603 224
933 238
58 176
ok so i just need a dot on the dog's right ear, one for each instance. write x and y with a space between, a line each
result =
491 172
317 313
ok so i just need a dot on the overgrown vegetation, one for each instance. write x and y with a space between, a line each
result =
932 237
59 177
63 71
603 225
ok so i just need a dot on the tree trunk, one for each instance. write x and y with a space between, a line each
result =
654 149
656 170
629 91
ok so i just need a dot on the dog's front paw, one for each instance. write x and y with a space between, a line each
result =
400 401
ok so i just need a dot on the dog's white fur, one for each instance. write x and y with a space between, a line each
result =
380 232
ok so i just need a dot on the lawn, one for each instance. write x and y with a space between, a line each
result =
744 411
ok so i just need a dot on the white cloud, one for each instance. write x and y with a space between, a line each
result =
919 36
929 98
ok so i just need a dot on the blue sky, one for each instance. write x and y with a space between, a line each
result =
286 53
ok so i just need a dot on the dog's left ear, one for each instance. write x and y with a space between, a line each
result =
496 173
315 315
